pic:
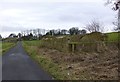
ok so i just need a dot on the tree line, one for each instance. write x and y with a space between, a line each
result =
93 26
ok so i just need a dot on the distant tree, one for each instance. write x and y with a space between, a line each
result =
48 33
30 36
39 36
34 32
74 31
51 32
0 37
12 35
94 26
38 31
19 35
64 32
58 32
83 31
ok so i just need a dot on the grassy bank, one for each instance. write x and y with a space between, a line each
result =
6 46
32 48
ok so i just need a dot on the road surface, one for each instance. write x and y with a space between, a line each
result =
17 65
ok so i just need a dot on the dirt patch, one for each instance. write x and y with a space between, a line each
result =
82 66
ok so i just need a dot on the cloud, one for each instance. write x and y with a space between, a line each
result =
18 1
19 15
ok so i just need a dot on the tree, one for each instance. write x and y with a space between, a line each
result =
34 32
74 31
51 32
39 36
0 37
30 36
58 32
115 23
83 31
19 36
12 35
64 32
94 26
116 7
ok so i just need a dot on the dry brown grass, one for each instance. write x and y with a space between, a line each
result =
86 66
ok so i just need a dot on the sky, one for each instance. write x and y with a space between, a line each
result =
19 15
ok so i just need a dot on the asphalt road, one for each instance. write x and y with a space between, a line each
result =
17 65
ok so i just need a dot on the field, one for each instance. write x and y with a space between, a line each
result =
54 56
113 36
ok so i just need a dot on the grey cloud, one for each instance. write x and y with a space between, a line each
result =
11 28
57 14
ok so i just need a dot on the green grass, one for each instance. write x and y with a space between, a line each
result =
0 47
32 48
6 46
32 42
114 36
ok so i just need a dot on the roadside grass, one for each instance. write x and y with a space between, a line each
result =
6 46
32 48
0 47
32 42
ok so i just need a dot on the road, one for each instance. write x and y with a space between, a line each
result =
17 65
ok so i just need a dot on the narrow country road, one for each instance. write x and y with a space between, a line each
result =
17 65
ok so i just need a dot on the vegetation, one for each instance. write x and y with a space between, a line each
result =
52 53
73 54
32 47
8 43
116 7
94 26
114 36
6 46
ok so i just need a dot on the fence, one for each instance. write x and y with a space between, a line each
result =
98 46
62 44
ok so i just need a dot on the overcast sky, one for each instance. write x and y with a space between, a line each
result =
18 15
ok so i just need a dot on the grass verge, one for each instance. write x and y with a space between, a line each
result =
6 46
43 61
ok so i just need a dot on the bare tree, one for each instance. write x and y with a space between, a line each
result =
116 7
63 31
94 26
35 32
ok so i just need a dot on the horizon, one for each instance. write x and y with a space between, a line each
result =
16 33
57 14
